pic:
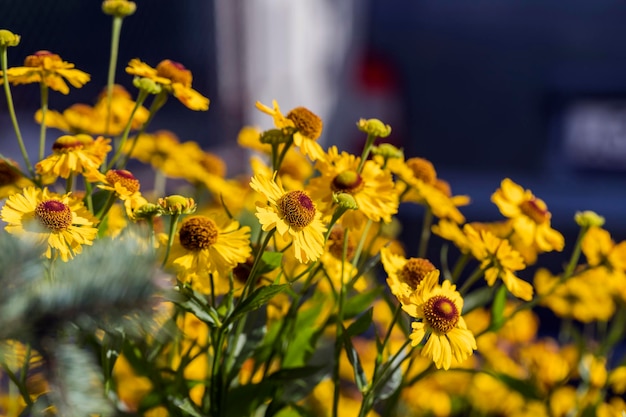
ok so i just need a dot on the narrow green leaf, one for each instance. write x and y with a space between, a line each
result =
353 356
477 298
258 298
497 308
270 261
359 303
361 324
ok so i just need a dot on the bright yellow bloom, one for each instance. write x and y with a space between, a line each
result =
11 179
498 260
530 215
60 221
293 215
160 149
307 126
92 120
372 188
48 68
173 77
405 276
212 244
78 154
437 309
601 250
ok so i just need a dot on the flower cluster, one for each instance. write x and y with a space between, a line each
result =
289 289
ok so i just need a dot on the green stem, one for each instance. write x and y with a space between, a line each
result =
44 112
425 235
478 272
281 157
575 254
359 248
140 99
338 348
16 127
115 43
170 238
366 151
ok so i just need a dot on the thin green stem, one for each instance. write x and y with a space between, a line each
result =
366 151
44 112
115 43
471 280
425 234
359 248
140 99
16 127
170 238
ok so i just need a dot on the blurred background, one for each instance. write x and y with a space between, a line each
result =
485 89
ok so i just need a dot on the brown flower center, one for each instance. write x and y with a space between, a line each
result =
123 177
532 209
422 169
441 313
198 233
335 242
296 208
37 59
443 186
68 143
8 175
307 122
414 271
174 71
54 215
347 182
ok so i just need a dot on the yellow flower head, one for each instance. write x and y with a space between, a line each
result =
293 215
174 77
212 244
600 249
74 154
405 276
48 68
530 216
438 312
498 260
61 221
372 188
307 126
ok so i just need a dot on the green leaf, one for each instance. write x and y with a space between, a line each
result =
353 356
270 261
302 345
361 324
244 400
196 303
258 298
390 379
497 308
359 303
477 298
187 406
526 388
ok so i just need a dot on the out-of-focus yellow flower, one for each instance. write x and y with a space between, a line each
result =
77 154
92 120
547 362
11 179
293 215
601 250
617 380
530 215
130 387
498 260
320 401
61 221
48 68
173 77
372 188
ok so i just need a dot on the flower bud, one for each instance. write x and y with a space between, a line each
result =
374 127
8 38
345 201
588 218
147 85
387 151
119 8
276 136
147 211
177 204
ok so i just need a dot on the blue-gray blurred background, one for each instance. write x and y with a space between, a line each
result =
485 89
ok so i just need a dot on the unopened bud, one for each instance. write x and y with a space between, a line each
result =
119 8
374 127
8 38
345 201
387 151
147 85
588 218
177 204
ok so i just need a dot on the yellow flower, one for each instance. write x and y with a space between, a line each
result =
307 125
600 249
340 270
207 245
74 155
498 260
92 120
125 186
451 231
48 68
159 149
173 77
293 215
11 180
372 189
405 276
437 309
530 215
60 221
